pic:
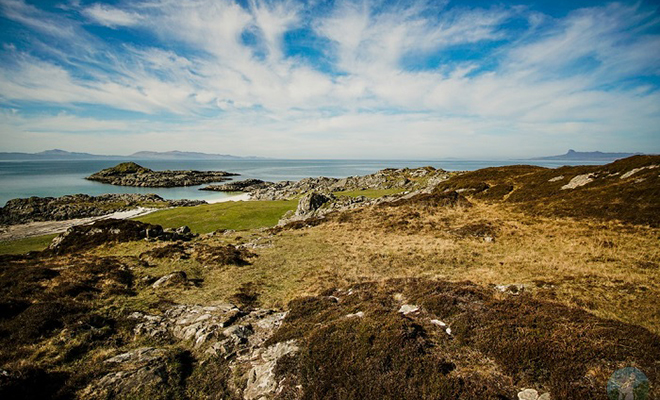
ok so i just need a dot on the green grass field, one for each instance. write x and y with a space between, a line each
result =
370 193
237 215
21 246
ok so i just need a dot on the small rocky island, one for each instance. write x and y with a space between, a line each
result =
132 174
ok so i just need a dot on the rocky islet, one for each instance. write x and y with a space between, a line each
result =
132 174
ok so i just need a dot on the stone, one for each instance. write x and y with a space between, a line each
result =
239 333
636 170
141 355
438 323
544 396
142 369
408 309
182 230
358 314
176 278
311 202
528 394
513 289
261 380
579 180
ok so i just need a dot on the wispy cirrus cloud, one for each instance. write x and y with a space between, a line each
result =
111 17
383 79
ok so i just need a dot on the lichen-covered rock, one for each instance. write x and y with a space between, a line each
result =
176 278
261 380
142 371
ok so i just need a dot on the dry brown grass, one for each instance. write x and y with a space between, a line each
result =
610 269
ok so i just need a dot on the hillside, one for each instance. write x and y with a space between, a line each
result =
493 284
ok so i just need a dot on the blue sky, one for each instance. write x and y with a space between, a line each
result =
330 79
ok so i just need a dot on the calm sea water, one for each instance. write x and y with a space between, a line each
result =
58 178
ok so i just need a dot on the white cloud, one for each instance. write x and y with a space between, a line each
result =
553 83
110 16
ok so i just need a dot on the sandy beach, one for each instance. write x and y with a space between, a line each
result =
239 197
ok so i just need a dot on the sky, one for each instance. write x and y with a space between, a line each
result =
343 79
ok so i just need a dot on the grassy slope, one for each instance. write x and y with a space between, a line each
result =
237 215
609 269
20 246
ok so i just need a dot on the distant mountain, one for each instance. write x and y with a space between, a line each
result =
57 154
588 156
183 155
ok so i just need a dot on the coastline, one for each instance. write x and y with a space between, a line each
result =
40 228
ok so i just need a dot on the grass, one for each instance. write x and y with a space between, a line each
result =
236 215
608 269
370 193
21 246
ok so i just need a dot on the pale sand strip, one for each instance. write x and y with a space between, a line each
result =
239 197
14 232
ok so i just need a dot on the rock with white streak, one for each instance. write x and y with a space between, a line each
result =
261 380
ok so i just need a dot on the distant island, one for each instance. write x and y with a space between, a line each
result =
57 154
132 174
588 156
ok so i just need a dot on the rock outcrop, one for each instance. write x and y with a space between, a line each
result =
25 210
248 185
83 237
132 174
405 178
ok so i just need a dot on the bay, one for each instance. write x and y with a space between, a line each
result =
59 178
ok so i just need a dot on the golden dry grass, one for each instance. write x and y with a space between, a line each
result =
610 269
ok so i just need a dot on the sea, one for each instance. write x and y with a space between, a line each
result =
54 178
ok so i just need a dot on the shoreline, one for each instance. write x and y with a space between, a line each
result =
41 228
238 197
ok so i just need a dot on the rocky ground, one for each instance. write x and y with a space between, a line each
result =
132 174
463 289
407 179
33 209
248 185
